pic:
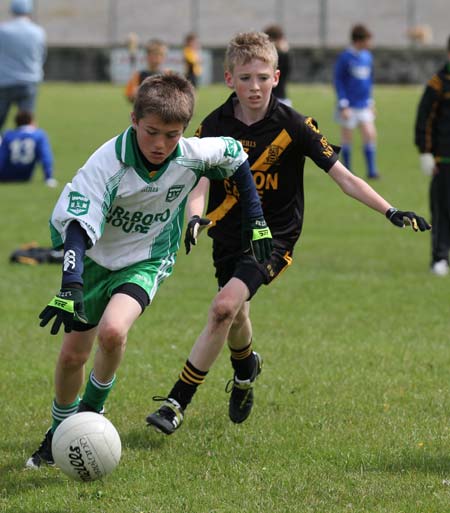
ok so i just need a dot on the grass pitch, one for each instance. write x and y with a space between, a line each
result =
352 406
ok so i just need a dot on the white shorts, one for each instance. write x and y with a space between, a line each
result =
357 116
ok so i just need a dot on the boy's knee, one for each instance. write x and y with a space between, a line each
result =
69 359
223 310
111 336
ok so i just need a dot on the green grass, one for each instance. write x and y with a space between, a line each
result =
352 408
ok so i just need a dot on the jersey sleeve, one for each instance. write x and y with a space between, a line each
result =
222 156
340 77
316 145
426 114
87 198
45 154
4 151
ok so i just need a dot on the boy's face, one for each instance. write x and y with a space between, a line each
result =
156 139
253 83
155 58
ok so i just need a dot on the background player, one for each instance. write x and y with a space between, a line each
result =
22 149
277 36
277 140
120 220
353 81
432 138
22 56
192 58
156 55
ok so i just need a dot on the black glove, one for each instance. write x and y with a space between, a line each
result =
258 239
195 226
401 218
66 306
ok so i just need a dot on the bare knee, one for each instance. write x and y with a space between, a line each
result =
223 311
72 359
111 337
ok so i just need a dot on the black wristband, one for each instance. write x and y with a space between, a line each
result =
390 212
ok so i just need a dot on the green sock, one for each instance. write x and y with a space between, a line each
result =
59 413
96 392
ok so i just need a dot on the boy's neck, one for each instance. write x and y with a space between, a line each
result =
249 116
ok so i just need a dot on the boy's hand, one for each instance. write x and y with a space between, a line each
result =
401 218
427 163
195 225
67 306
257 234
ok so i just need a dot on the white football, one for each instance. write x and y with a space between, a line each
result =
86 446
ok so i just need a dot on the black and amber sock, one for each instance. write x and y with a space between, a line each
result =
243 361
186 386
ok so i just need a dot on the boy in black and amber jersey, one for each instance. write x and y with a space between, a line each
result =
277 140
432 138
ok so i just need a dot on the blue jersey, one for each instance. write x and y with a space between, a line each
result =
353 78
20 150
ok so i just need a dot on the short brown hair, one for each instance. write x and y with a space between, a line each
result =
169 96
275 32
448 44
360 33
246 46
23 118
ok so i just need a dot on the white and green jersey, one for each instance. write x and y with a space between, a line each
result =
128 216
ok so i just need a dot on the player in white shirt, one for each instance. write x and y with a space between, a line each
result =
120 222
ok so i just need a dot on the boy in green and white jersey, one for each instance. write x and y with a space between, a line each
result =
120 222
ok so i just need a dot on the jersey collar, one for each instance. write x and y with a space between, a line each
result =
127 152
228 107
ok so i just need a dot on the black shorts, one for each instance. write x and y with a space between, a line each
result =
130 289
244 267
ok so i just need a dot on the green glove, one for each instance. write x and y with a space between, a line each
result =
259 238
67 306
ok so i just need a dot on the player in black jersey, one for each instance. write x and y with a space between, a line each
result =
432 138
277 139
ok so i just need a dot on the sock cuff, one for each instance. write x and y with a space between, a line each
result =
62 411
241 354
191 375
98 384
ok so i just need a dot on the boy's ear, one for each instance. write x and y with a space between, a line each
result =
133 120
276 78
229 79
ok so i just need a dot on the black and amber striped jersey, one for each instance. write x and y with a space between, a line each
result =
276 146
432 130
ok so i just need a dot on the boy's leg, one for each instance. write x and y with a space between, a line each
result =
120 314
440 220
69 377
369 136
346 149
224 308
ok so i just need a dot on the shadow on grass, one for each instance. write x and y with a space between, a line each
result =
16 479
140 439
412 461
418 461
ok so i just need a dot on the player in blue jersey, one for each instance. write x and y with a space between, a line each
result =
22 149
353 81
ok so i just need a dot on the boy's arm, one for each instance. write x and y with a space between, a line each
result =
363 192
423 133
3 152
255 229
424 119
340 82
46 158
194 210
67 305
